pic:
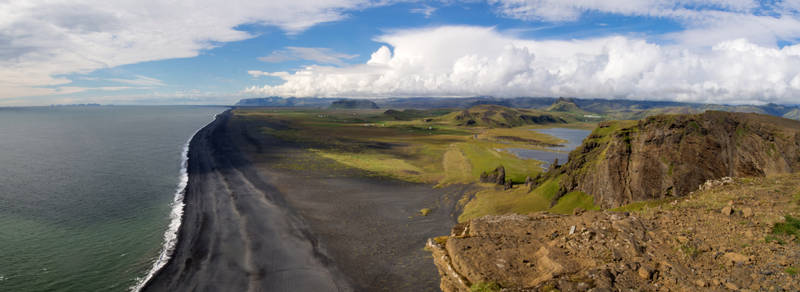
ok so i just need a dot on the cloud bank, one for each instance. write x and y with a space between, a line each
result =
40 40
469 61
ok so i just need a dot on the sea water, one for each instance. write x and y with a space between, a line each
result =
88 194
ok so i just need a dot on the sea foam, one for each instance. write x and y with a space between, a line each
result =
175 216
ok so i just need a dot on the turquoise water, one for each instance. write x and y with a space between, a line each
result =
574 138
86 193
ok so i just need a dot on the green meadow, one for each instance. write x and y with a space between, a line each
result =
435 147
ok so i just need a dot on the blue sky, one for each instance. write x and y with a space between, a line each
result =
204 52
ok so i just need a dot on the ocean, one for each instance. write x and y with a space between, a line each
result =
86 193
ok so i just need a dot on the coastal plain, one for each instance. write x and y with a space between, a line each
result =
340 200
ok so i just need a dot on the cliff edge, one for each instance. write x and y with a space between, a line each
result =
671 155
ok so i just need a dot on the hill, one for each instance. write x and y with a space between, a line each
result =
353 104
794 114
670 155
564 105
495 116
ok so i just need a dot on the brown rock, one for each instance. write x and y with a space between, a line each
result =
644 273
733 258
700 283
727 210
497 176
731 286
671 155
747 212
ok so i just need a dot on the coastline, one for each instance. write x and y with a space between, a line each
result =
249 226
225 218
176 217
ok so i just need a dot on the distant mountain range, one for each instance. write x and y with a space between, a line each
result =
606 109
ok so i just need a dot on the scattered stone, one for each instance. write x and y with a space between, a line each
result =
727 211
700 282
644 273
731 286
733 258
747 212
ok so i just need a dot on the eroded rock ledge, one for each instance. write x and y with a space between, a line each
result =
714 240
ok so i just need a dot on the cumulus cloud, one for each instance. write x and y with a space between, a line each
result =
469 61
41 40
705 22
319 55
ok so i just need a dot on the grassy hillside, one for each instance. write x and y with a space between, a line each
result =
426 146
495 116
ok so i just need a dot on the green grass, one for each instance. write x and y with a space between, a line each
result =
517 200
484 287
424 211
643 205
382 164
771 238
484 157
791 271
689 251
790 227
572 200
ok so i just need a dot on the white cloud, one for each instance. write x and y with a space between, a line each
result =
425 10
41 40
469 61
319 55
139 80
570 10
705 22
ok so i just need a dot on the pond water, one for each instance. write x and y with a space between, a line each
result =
574 138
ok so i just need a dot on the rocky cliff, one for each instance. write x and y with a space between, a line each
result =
735 235
671 155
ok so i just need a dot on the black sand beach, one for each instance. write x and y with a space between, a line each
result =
250 226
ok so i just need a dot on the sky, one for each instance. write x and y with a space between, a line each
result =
217 52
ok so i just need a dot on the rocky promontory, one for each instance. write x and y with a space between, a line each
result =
737 234
671 155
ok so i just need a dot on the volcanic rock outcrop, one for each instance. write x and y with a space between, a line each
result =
671 155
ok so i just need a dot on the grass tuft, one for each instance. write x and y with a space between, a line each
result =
791 227
791 271
484 287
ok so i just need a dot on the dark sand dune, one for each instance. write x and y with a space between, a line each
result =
249 226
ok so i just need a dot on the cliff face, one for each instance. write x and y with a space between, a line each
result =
671 155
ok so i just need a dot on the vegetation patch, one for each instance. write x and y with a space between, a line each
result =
791 271
790 227
379 163
516 200
425 211
569 202
484 287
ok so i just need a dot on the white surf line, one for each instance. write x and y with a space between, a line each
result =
175 216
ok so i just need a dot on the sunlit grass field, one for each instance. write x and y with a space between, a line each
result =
424 147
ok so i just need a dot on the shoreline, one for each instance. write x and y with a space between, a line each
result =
225 218
171 235
249 226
